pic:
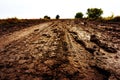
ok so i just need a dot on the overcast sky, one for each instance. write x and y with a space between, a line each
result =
65 8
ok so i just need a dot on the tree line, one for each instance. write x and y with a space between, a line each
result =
92 13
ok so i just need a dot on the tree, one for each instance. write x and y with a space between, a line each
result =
46 17
94 13
57 16
79 15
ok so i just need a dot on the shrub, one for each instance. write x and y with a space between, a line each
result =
94 13
116 19
57 16
46 17
79 15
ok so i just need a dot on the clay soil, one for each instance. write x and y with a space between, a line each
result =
62 50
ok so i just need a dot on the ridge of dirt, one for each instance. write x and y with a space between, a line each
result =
62 50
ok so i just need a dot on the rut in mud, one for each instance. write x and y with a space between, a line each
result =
62 50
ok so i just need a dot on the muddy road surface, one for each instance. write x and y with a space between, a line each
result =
61 50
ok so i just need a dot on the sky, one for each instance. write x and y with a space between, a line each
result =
65 8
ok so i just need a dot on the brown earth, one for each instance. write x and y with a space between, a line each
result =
62 50
8 26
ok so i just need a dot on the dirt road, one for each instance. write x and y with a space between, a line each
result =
6 39
60 50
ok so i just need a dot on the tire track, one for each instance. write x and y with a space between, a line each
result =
4 40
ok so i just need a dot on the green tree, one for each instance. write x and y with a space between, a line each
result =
94 13
79 15
57 16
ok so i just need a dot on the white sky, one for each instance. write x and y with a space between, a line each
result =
65 8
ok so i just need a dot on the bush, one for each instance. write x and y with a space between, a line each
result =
79 15
116 19
46 17
94 13
57 16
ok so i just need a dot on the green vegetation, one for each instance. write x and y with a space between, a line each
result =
79 15
57 16
94 13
